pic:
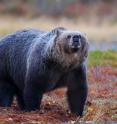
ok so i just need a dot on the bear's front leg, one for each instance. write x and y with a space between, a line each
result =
77 90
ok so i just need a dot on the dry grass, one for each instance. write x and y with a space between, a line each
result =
97 32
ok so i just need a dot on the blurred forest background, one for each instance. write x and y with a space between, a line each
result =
98 19
58 8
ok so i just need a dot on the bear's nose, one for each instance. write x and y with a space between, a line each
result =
77 41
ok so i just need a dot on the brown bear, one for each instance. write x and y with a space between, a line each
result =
33 62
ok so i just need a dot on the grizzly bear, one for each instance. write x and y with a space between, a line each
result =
33 62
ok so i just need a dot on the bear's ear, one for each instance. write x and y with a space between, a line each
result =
58 31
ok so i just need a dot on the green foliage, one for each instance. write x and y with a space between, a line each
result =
98 57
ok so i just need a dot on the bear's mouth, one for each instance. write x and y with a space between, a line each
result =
70 50
75 49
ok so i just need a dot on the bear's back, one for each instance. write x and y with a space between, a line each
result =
13 52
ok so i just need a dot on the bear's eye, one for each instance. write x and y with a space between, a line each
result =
69 36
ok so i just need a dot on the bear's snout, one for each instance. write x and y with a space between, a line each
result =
76 42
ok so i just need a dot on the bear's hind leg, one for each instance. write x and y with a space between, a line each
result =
20 100
32 99
6 94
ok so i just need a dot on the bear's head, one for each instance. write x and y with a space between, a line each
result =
70 48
